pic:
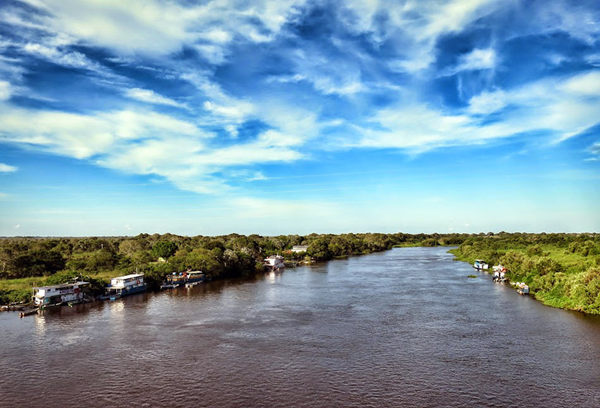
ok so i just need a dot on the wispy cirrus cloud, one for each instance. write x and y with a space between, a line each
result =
5 168
146 95
477 59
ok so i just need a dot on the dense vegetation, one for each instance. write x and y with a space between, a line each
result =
562 270
25 262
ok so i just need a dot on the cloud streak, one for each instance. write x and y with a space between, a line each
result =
5 168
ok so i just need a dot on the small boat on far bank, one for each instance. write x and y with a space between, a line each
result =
481 265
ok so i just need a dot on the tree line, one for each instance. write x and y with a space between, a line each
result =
230 255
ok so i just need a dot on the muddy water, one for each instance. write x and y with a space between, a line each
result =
405 327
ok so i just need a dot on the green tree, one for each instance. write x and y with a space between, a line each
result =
319 249
164 249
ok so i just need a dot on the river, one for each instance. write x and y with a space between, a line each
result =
405 327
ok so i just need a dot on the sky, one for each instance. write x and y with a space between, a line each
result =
292 116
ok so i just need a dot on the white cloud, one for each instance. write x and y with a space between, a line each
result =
149 96
414 27
83 136
477 59
4 90
487 102
226 110
157 28
585 84
236 110
594 149
5 168
71 59
141 142
449 16
560 106
560 16
593 59
328 74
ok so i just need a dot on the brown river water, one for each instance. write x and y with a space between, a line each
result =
402 328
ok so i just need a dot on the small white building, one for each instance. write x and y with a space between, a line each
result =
299 248
59 294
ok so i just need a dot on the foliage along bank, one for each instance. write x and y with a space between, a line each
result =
562 270
29 261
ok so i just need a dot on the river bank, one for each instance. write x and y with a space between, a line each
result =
30 261
561 270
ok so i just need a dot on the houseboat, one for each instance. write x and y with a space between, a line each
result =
173 281
274 262
499 273
125 285
194 278
481 265
48 296
182 278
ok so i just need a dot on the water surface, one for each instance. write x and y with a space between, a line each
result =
405 327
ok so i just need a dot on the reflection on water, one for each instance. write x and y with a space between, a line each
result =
405 327
40 324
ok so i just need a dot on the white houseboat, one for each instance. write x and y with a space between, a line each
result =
274 262
46 296
481 265
125 285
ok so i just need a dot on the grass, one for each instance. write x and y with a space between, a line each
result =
472 276
564 274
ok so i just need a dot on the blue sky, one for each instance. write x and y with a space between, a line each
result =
284 117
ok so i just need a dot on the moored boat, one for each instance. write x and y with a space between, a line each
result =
522 288
499 273
125 285
57 295
195 276
176 280
29 312
480 265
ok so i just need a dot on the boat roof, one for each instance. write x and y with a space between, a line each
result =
61 286
133 275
